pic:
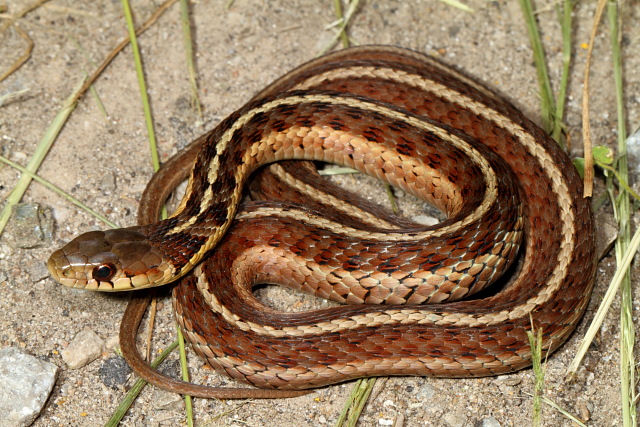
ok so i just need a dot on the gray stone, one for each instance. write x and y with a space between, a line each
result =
455 419
83 349
425 220
425 392
633 152
114 372
165 400
606 233
33 225
25 385
490 422
108 183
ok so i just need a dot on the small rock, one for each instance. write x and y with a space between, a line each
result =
388 403
114 372
170 368
633 152
583 411
425 220
33 225
37 270
108 183
25 385
510 380
490 422
606 233
455 420
84 348
166 400
112 342
425 392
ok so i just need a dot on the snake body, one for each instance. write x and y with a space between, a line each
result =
413 122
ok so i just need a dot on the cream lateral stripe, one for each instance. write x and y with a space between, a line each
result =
328 199
336 227
388 317
559 186
448 70
470 152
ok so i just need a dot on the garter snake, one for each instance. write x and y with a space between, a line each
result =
413 122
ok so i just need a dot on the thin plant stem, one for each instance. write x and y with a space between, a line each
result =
547 104
627 327
188 49
155 161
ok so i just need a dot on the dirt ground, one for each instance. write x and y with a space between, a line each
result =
104 162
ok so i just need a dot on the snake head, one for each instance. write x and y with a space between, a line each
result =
112 260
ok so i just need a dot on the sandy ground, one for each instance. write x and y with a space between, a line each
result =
104 162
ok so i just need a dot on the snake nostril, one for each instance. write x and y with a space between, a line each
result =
104 272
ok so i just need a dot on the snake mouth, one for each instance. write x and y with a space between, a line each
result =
51 266
63 271
60 269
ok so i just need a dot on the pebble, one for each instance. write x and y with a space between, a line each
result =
583 410
33 225
490 422
25 385
425 392
455 420
606 233
83 349
633 152
37 270
112 342
108 183
425 220
509 380
166 400
114 372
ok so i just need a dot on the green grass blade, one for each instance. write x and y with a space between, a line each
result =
563 412
535 342
627 327
188 48
458 4
547 104
623 265
353 5
355 403
185 376
566 25
142 84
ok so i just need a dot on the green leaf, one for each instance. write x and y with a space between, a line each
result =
603 154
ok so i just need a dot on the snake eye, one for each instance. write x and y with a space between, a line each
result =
104 272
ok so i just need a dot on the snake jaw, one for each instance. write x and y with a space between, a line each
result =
112 260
